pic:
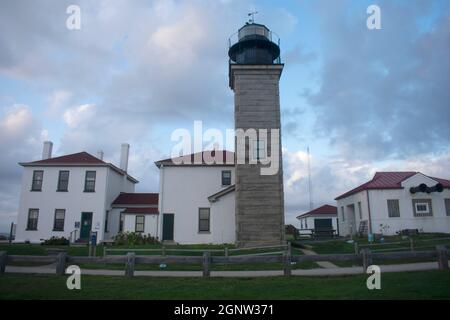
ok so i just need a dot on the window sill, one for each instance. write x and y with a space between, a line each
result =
62 190
204 232
31 229
35 190
87 191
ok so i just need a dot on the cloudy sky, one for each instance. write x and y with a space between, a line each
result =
362 100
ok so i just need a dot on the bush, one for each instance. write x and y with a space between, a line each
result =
55 241
134 238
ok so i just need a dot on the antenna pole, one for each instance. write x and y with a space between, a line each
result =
311 204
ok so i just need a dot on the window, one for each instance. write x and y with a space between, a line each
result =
447 207
38 176
58 224
226 178
63 181
359 210
33 215
343 214
203 219
422 208
140 223
106 221
306 223
393 208
259 149
89 182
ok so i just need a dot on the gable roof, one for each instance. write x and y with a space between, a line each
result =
389 180
77 159
144 199
194 159
323 210
144 210
221 193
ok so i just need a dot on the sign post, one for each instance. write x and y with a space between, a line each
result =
93 244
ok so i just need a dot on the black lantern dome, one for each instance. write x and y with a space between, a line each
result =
254 45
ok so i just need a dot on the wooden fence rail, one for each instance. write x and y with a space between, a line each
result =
366 256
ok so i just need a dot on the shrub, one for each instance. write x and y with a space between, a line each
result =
55 241
134 238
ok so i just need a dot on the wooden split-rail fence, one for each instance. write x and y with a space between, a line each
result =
366 256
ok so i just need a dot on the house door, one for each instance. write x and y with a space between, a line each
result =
351 219
86 225
168 222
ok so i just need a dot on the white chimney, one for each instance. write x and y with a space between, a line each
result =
124 156
47 150
100 154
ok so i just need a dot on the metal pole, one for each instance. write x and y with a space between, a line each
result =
11 232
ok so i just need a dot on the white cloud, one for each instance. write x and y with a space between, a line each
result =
57 101
78 115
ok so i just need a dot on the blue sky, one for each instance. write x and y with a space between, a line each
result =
363 101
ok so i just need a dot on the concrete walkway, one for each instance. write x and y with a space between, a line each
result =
322 264
422 266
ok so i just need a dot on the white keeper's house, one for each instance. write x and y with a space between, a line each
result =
396 201
197 200
73 195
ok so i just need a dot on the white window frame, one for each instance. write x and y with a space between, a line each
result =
259 152
427 211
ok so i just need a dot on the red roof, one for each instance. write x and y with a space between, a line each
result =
80 157
323 210
146 210
198 159
136 199
388 180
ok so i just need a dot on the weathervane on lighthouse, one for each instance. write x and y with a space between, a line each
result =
252 15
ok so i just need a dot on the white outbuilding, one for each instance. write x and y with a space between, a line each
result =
321 219
396 201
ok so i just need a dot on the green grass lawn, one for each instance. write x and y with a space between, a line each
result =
421 242
414 285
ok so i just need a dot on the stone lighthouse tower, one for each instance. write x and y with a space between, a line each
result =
254 73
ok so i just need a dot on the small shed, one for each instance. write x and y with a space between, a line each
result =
322 220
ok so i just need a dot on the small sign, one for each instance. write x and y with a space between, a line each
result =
93 238
77 224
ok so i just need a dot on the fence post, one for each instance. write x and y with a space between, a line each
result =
226 252
289 248
356 247
129 266
287 263
163 250
411 244
366 258
61 263
104 250
442 257
3 260
206 262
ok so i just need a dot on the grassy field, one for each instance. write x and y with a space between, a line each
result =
415 285
421 242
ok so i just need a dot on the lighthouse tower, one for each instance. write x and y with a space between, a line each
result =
254 74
